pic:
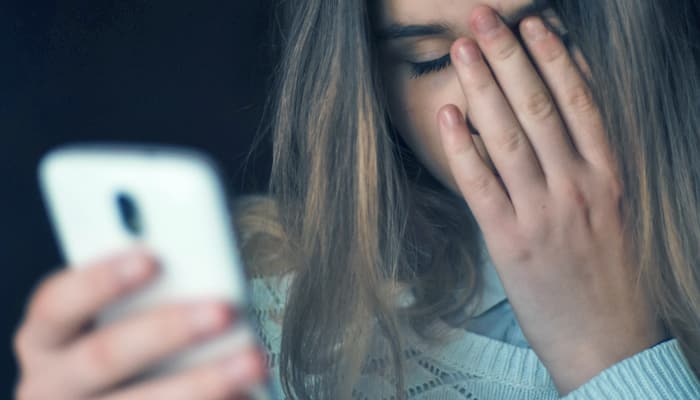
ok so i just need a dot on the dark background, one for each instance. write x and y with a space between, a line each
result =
180 72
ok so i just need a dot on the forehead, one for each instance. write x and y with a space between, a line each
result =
449 12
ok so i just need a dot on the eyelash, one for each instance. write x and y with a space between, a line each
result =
427 67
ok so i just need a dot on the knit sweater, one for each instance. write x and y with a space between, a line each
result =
471 366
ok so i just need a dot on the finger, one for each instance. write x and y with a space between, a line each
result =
485 194
234 376
67 301
125 348
570 91
491 115
527 94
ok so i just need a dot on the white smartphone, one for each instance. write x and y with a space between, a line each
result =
103 198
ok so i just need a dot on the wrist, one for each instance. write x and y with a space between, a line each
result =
582 363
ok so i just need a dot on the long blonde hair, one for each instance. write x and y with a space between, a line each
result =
354 213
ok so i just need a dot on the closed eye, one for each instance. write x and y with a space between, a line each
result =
427 67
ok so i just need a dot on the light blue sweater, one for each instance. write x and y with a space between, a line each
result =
490 360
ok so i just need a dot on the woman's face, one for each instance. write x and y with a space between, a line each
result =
415 38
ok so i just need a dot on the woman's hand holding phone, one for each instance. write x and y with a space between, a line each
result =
61 356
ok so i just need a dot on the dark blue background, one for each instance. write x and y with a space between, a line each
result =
182 72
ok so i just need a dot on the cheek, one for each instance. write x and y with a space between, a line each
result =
413 105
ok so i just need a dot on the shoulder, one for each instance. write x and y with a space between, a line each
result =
266 254
268 296
267 299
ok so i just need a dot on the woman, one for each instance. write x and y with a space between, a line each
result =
369 280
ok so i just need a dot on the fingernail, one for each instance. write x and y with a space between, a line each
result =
133 266
449 118
535 29
468 53
487 22
208 318
243 367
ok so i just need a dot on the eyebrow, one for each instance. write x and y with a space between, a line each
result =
399 31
